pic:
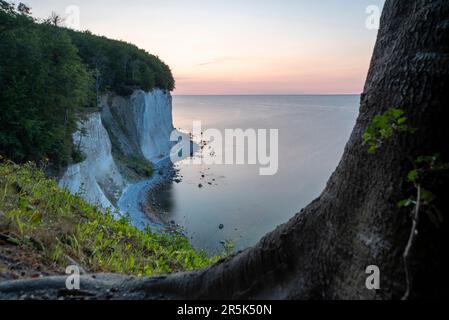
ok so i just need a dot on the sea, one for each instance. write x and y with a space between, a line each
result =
220 205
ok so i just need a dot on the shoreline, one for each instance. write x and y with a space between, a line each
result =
134 199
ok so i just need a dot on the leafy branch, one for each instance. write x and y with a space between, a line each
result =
383 127
427 170
424 167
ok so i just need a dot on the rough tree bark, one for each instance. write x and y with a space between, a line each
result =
322 253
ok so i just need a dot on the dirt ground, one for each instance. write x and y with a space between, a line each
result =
17 262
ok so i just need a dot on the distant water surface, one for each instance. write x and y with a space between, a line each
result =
313 131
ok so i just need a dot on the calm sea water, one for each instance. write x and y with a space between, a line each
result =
313 131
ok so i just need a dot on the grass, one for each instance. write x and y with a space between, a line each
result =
59 226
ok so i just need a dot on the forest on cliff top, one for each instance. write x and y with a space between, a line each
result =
49 74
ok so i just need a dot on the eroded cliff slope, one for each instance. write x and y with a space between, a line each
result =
124 136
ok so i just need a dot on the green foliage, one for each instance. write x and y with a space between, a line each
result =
54 223
48 74
229 246
427 170
406 203
139 165
44 84
412 176
121 67
383 127
77 155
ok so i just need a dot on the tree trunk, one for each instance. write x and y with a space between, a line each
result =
323 252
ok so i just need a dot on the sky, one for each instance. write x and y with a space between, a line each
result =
240 46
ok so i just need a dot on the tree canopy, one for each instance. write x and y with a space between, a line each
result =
48 74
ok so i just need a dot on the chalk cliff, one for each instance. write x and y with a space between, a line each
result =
134 128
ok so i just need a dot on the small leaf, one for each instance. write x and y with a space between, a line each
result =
372 149
413 176
406 203
367 136
427 196
397 113
402 203
402 120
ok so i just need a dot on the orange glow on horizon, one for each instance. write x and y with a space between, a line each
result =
241 47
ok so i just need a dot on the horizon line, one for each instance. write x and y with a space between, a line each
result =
266 94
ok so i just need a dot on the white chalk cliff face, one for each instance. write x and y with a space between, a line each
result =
135 126
154 125
97 178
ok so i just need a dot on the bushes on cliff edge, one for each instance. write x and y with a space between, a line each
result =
119 66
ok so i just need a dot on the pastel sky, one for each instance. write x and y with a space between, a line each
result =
241 46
